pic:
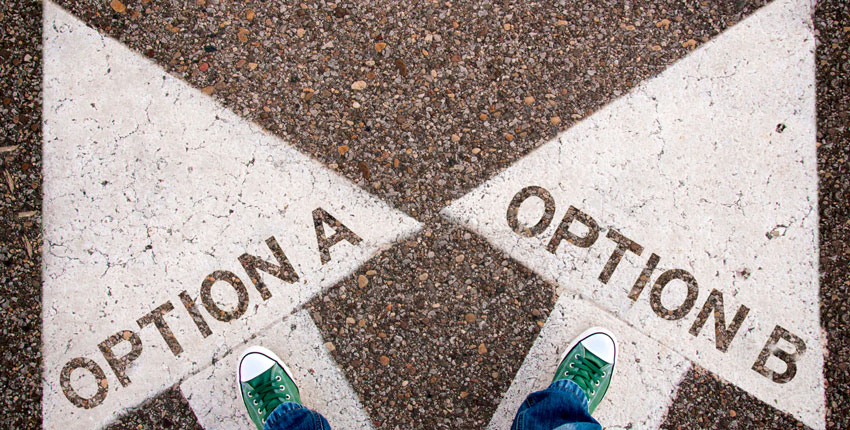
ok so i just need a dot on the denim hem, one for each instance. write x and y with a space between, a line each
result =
280 411
571 387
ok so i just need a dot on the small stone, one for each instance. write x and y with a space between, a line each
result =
482 349
300 32
483 117
509 137
555 120
342 149
252 66
371 272
361 323
663 23
380 46
528 100
242 35
690 44
204 66
355 105
249 15
208 90
469 317
455 138
732 413
117 6
460 257
562 23
307 94
384 360
358 85
423 277
364 170
401 67
330 346
362 281
350 321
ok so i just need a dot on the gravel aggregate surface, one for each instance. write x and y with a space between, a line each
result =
20 231
416 102
832 24
725 406
168 410
431 332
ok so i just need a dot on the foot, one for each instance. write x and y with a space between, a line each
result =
589 362
264 382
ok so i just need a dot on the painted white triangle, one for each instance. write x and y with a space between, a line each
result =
150 186
712 166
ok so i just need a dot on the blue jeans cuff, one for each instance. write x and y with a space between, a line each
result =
288 406
571 387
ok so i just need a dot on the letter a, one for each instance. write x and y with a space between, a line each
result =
341 232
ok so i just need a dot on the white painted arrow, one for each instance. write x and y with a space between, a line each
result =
151 189
712 167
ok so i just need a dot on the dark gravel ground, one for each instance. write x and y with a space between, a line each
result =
832 22
20 208
168 410
431 332
458 92
725 406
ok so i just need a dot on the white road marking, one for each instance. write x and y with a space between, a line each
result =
654 368
151 188
712 166
297 341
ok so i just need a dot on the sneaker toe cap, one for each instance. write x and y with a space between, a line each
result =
601 345
253 365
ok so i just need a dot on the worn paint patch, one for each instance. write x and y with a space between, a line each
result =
173 229
688 208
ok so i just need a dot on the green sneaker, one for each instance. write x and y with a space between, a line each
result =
264 382
589 362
